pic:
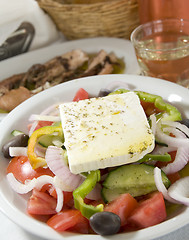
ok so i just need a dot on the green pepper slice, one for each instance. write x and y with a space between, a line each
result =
81 192
172 112
152 157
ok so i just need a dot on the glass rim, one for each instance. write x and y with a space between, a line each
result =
159 21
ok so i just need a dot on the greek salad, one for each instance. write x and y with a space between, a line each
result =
136 186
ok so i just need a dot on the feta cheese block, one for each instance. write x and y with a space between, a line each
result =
105 132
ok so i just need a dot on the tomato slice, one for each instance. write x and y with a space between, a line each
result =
69 220
81 227
149 108
149 212
41 203
43 124
173 177
123 206
68 196
81 94
22 169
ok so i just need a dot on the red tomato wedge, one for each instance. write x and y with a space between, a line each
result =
69 219
173 177
41 203
81 94
22 169
81 227
41 124
149 212
123 206
149 108
68 196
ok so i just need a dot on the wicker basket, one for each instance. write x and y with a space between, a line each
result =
113 18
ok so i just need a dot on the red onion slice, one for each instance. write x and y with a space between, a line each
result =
177 125
38 183
160 186
40 150
180 142
56 162
176 132
50 110
59 183
20 187
44 179
181 159
171 141
162 150
180 191
35 117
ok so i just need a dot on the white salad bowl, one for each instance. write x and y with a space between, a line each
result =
14 205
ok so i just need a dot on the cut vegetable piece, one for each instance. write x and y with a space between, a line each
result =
57 163
179 191
122 206
160 186
22 169
67 219
152 157
41 203
81 94
16 132
161 143
134 179
47 140
37 161
149 212
81 192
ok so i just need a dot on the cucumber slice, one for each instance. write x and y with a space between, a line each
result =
47 140
160 143
56 124
16 132
136 179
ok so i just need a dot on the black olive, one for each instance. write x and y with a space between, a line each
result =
185 122
104 92
20 140
105 223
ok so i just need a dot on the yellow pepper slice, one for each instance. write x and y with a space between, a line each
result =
35 160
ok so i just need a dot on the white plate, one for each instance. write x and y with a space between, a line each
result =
14 205
21 63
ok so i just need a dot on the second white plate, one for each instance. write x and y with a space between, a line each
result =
122 48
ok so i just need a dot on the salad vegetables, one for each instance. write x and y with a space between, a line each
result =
104 201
